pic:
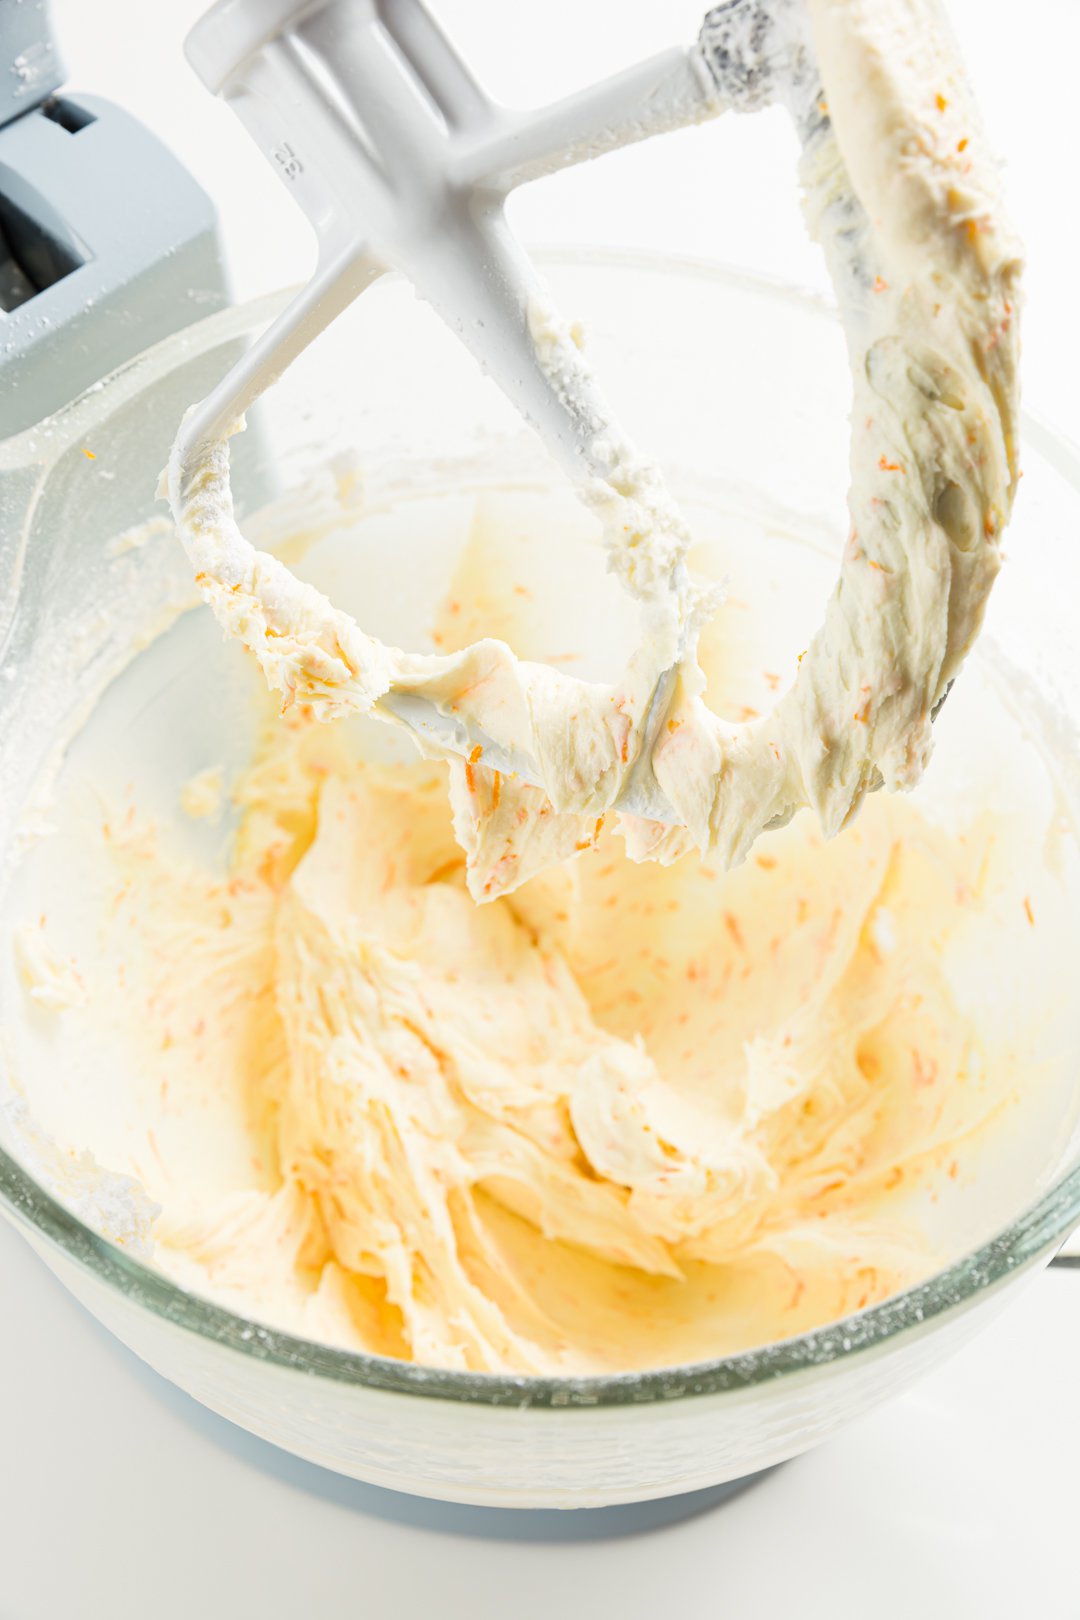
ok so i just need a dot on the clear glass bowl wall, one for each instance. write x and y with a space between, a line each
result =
734 384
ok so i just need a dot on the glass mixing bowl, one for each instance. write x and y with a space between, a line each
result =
736 385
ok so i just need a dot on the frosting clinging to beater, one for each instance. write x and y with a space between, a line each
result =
904 196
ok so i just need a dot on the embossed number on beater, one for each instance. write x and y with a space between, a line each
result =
287 158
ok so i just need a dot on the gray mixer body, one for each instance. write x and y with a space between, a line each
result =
106 242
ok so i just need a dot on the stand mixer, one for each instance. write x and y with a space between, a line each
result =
199 704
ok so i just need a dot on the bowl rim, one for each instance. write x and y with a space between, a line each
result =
1032 1236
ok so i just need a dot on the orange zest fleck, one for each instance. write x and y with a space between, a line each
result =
470 774
496 791
590 843
924 1071
1028 912
89 454
942 103
889 466
880 284
961 146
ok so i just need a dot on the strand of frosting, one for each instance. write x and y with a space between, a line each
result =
903 195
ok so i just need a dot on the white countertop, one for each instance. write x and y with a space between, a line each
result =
121 1498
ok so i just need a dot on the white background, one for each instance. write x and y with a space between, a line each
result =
120 1498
